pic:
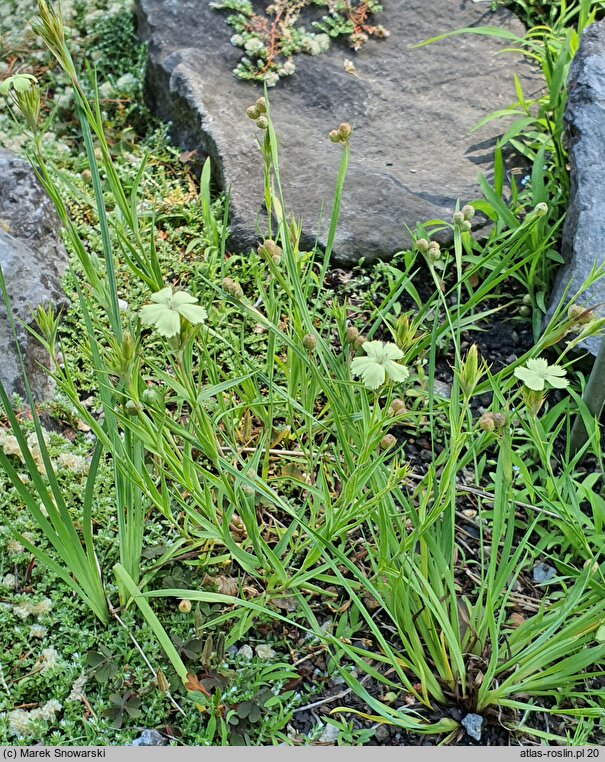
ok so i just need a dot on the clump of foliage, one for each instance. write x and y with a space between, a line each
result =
272 39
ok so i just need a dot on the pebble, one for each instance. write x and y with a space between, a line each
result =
150 738
543 572
382 734
246 653
472 723
329 734
265 652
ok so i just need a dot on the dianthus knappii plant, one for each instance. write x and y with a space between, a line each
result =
271 39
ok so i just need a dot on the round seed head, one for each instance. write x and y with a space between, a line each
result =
252 112
458 218
468 211
262 122
261 105
422 245
351 334
309 342
487 423
387 442
185 606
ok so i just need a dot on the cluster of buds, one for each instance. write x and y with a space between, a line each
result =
342 134
270 250
430 249
463 217
397 407
580 315
233 288
491 421
258 113
352 336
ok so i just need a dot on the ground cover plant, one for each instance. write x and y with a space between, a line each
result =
272 37
267 487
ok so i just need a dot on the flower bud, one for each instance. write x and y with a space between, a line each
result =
309 342
351 334
262 122
580 315
344 130
270 250
466 227
541 209
185 606
261 105
470 372
499 420
422 245
132 408
334 136
487 423
360 341
458 218
468 211
152 397
525 310
397 407
233 288
252 113
387 442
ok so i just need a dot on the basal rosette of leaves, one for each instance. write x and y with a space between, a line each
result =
271 40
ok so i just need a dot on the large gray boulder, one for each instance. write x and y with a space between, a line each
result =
33 260
584 231
413 110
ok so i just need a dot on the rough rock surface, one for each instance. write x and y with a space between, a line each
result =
413 153
584 231
33 260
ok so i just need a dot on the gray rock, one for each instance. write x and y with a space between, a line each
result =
413 153
543 572
245 653
584 231
265 652
150 738
329 734
473 723
33 260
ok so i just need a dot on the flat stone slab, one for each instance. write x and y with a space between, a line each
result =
413 109
584 231
33 260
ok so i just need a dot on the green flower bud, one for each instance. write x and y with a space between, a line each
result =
261 105
468 211
458 218
252 112
334 136
152 397
466 227
132 408
525 310
422 245
541 209
309 342
262 122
